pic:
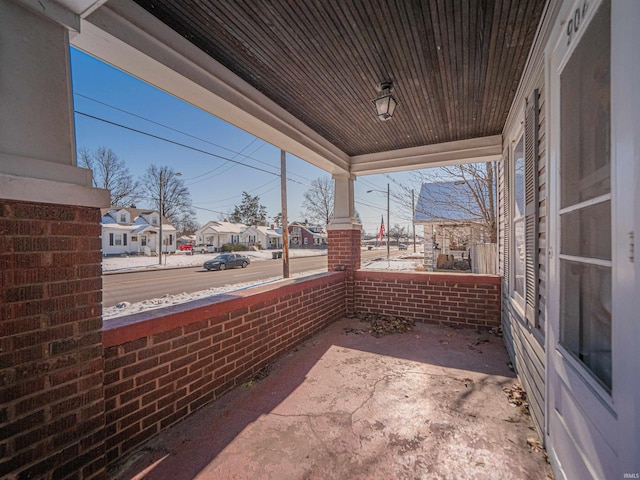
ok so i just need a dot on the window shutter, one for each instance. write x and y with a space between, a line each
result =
531 209
124 239
506 217
111 239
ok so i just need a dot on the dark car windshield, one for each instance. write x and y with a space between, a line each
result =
226 256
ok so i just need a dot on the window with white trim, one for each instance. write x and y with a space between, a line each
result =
520 170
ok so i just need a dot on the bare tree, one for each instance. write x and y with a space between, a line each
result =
110 172
474 195
186 224
397 232
317 205
176 199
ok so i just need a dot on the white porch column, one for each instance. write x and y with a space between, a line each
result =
344 211
37 136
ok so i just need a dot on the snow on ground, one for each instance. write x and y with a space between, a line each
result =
394 264
126 308
407 262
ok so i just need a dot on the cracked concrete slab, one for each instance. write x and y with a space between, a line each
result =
426 404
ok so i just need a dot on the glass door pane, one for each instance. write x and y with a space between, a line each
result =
585 200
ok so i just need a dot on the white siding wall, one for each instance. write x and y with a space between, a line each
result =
525 341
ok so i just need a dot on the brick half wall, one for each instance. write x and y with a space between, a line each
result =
443 299
161 366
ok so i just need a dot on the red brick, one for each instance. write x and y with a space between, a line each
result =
164 336
151 375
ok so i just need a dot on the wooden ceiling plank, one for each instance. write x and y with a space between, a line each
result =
454 62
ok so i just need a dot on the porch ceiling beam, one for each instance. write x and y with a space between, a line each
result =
483 149
126 36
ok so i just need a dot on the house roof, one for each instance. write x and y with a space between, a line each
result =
269 232
314 230
135 214
224 227
446 201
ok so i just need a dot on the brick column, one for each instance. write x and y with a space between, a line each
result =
344 236
344 254
51 364
344 249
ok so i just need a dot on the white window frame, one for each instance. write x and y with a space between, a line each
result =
517 299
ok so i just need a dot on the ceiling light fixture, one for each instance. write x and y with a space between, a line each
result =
385 103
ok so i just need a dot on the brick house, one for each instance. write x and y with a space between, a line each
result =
303 235
547 89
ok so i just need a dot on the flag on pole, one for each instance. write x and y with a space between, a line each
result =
381 232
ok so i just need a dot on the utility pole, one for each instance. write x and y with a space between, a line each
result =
161 208
388 220
161 214
413 219
388 224
285 221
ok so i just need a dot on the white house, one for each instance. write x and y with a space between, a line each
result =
450 215
218 233
265 237
134 231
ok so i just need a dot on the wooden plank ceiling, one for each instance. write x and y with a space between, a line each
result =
454 64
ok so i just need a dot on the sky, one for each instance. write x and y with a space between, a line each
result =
103 94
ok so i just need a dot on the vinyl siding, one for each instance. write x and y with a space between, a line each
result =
525 342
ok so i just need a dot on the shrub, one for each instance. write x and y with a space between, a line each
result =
233 247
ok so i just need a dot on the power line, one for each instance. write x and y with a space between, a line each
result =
207 174
238 196
193 136
172 128
174 142
190 148
377 207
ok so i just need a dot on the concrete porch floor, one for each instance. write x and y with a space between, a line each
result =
419 405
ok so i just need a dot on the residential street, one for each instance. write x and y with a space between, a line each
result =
137 286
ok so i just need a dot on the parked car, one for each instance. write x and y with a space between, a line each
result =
227 260
186 248
204 248
402 246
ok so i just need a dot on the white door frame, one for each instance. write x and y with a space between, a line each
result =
625 124
603 429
